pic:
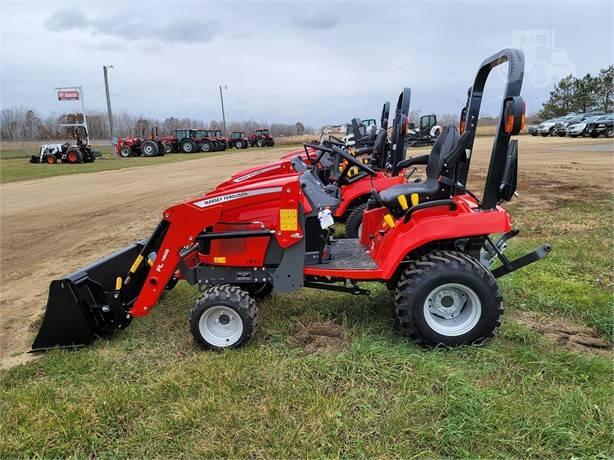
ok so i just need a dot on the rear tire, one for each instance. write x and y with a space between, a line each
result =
224 317
150 149
448 298
545 134
353 223
74 155
609 133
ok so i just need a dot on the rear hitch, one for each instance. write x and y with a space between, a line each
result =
509 266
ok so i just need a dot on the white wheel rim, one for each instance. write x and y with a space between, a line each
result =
187 147
206 147
124 153
452 309
220 326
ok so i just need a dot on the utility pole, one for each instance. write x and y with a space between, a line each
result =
106 87
223 114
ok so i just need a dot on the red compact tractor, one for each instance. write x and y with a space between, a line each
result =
261 138
431 242
153 146
355 186
129 146
238 140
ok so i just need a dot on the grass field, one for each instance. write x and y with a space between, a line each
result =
332 377
16 168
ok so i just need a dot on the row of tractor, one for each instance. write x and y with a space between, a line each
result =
190 141
270 229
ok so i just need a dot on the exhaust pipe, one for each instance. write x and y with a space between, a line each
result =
88 303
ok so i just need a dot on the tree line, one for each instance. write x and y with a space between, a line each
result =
26 124
581 94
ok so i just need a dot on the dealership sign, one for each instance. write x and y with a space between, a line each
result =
68 95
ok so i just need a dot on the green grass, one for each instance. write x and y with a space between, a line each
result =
577 278
151 392
18 169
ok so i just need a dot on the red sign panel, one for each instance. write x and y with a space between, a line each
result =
68 95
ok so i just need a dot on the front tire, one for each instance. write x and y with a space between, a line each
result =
609 133
224 317
448 298
259 143
206 146
168 148
125 152
239 144
353 224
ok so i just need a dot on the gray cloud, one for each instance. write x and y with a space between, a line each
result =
188 30
319 21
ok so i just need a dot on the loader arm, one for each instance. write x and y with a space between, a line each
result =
180 226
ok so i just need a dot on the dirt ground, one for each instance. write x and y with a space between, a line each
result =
51 227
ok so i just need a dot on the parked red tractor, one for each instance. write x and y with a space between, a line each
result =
219 141
149 147
429 241
238 140
261 138
129 146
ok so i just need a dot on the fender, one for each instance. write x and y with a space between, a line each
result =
435 224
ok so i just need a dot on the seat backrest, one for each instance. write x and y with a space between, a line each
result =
446 142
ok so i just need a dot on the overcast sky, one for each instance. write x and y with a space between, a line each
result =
317 62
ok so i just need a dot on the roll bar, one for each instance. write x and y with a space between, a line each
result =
385 116
399 128
512 111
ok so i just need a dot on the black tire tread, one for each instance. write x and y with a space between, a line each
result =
435 261
234 295
353 221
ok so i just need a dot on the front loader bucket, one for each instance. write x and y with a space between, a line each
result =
86 304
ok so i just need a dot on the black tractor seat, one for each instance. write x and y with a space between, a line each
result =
440 166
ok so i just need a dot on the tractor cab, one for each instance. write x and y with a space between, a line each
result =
425 133
238 140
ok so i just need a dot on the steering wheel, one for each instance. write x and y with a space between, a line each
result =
352 161
320 148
